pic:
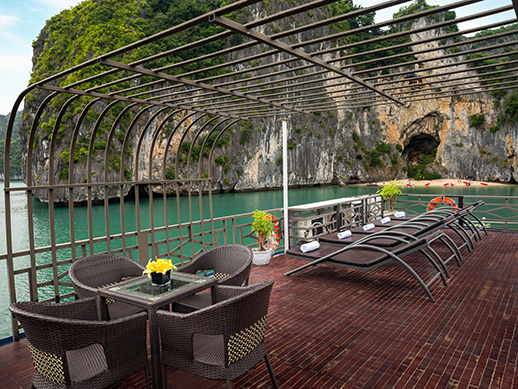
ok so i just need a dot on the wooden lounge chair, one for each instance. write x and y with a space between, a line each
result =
364 256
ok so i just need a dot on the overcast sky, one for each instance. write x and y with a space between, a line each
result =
22 20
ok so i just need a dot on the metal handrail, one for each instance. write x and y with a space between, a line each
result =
499 212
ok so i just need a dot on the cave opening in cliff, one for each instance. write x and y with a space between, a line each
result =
419 155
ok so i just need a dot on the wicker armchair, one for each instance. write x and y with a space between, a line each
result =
222 341
70 348
231 265
96 271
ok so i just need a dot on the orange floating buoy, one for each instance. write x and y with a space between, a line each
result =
483 183
442 201
452 184
427 184
446 184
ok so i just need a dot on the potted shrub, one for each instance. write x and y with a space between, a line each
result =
390 192
263 227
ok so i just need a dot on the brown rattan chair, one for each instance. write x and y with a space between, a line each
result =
71 348
231 265
96 271
222 341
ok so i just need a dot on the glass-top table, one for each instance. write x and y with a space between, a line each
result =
140 292
143 288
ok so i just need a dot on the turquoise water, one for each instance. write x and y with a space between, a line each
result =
223 205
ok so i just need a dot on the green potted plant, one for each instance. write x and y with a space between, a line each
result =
390 192
264 229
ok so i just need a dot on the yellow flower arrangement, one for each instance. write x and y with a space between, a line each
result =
158 265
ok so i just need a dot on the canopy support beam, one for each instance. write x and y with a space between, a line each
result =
276 44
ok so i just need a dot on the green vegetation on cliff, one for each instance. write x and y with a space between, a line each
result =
15 158
95 27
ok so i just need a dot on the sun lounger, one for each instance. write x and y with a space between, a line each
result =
421 227
366 257
412 228
465 215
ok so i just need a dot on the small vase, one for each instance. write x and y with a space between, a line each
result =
160 278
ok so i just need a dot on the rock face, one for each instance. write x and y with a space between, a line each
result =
328 147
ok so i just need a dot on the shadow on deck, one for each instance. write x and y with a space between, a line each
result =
331 327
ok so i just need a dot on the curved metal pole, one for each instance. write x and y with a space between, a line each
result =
200 183
188 179
204 143
106 176
153 141
30 212
51 191
52 148
8 218
143 253
142 257
71 162
166 151
154 250
89 176
209 172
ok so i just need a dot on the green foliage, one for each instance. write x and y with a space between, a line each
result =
263 227
185 146
390 190
15 157
222 160
493 65
374 158
246 131
383 148
170 172
511 107
477 120
94 27
420 172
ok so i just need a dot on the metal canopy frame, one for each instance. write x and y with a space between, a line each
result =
297 69
326 69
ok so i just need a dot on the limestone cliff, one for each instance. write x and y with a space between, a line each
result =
327 147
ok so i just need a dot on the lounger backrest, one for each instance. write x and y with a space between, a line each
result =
411 247
478 203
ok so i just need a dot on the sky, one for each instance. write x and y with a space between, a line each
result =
22 20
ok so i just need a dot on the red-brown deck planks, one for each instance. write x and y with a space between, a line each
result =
331 327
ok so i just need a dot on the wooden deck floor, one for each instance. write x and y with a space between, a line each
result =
331 327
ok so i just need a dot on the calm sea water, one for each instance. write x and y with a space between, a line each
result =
224 205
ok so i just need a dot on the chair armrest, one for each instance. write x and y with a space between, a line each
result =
190 268
84 309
